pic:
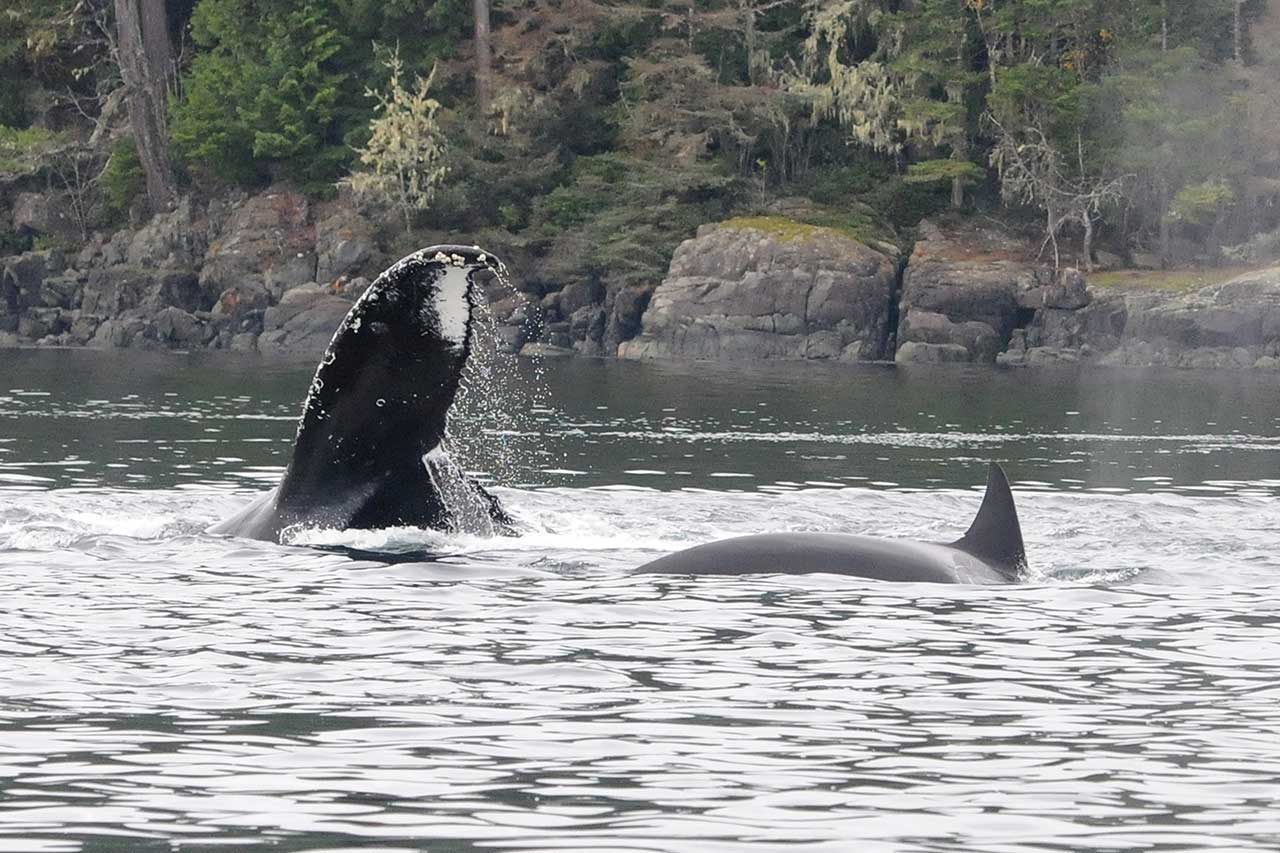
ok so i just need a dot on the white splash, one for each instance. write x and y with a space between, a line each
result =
469 511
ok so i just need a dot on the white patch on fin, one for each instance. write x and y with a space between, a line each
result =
451 305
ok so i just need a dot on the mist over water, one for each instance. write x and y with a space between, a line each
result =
160 686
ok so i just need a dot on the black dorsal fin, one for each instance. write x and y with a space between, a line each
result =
995 535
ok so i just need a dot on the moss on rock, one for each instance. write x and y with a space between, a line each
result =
856 225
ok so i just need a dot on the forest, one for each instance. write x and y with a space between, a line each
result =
600 133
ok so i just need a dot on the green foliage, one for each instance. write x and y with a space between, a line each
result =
619 218
904 204
859 222
912 94
45 242
47 45
277 89
844 183
1176 125
1046 95
13 107
122 182
404 157
266 101
12 243
1200 204
931 171
569 206
615 128
1260 248
25 151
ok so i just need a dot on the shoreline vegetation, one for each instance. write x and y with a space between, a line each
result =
1019 182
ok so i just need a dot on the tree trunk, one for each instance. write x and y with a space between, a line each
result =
1087 246
484 85
1051 225
1164 26
1237 51
146 67
1165 236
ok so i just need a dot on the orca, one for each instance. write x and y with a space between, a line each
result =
368 450
990 552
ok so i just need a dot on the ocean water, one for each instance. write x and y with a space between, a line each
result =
166 689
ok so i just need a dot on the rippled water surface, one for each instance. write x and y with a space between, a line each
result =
162 688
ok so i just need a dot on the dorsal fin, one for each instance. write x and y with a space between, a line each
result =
995 535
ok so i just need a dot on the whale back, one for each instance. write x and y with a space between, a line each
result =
995 537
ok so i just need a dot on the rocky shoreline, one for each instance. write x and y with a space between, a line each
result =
750 289
274 273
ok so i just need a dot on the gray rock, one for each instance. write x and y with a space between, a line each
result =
168 240
538 349
119 332
356 287
741 292
83 327
293 303
290 272
21 281
512 309
89 253
976 280
629 304
31 212
307 333
1051 356
512 338
1069 292
265 245
177 288
588 324
344 245
922 353
558 335
61 291
32 328
1216 327
239 302
113 290
580 294
978 339
550 306
176 327
115 250
244 342
44 213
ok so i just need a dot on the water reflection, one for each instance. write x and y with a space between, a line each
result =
89 419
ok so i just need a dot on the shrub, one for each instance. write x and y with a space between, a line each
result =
122 182
27 150
265 98
405 152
